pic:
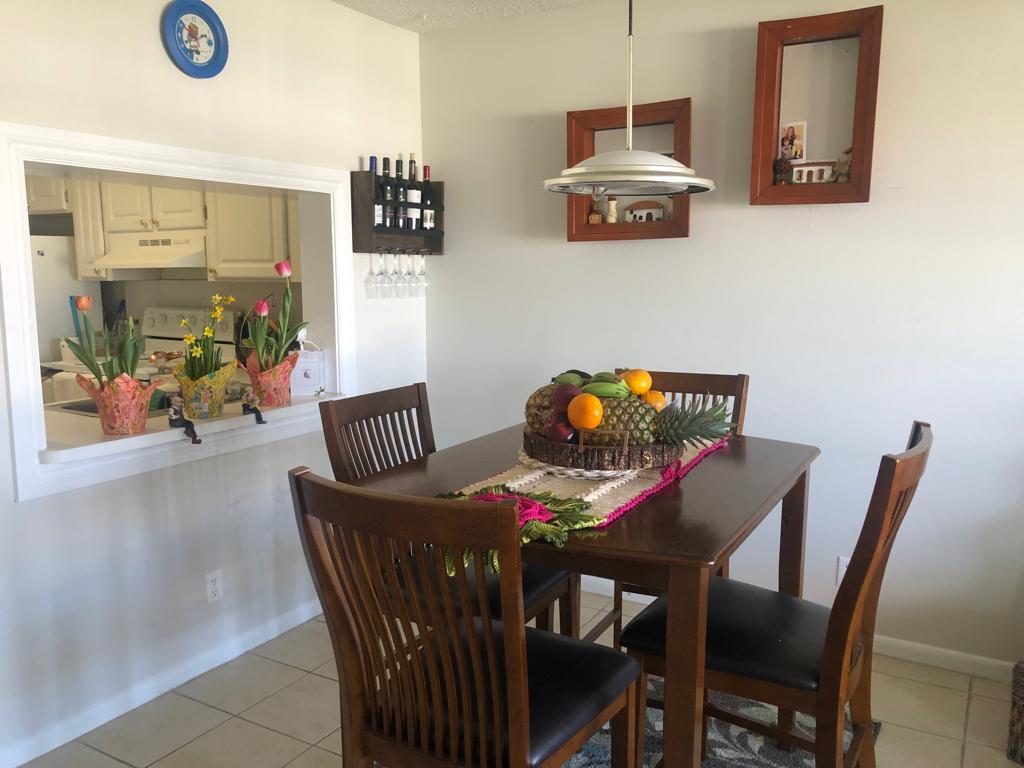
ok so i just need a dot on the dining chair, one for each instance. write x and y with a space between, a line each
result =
795 654
429 676
371 433
681 388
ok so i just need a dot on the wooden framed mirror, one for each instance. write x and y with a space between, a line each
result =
662 127
814 108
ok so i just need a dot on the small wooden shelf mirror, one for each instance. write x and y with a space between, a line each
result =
814 108
662 127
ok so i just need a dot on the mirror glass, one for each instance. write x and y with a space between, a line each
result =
652 138
815 132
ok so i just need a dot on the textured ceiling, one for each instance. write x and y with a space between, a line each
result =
427 15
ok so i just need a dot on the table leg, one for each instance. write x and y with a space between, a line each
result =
684 666
791 563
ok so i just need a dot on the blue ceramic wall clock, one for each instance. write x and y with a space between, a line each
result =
194 38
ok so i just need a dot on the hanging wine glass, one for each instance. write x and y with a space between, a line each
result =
421 275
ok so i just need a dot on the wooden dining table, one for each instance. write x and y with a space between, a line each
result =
673 541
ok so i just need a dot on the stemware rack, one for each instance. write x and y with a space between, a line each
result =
367 238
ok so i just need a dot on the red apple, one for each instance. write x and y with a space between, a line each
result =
563 395
558 430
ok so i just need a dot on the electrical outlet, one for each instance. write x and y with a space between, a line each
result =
214 586
842 563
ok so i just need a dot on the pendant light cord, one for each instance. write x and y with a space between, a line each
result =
629 80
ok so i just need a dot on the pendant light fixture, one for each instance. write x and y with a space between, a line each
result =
629 172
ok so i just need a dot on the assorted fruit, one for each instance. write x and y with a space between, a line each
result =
607 404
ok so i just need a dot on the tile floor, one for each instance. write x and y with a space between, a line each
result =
278 706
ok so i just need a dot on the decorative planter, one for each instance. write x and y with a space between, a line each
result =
273 386
204 398
122 404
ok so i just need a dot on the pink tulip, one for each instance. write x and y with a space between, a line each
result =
83 303
284 268
261 308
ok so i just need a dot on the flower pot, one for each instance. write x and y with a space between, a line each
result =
273 386
122 404
204 397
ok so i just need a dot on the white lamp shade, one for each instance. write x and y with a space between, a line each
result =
629 172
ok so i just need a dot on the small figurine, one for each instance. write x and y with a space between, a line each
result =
842 172
782 170
176 419
250 404
613 211
594 217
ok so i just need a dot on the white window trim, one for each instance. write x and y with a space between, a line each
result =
20 144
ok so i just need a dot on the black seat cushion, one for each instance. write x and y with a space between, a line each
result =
752 632
538 580
570 683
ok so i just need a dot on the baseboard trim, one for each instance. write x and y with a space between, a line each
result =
907 650
71 728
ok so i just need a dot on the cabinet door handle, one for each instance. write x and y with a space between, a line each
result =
143 224
96 270
156 222
212 270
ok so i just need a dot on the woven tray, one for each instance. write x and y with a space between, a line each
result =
1015 745
599 458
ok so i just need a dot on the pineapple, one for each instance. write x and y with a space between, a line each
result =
696 424
629 413
538 408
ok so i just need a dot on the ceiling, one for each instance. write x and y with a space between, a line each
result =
428 15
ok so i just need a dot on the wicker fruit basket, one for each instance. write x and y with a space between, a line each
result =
599 457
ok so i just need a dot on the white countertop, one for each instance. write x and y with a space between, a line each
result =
74 437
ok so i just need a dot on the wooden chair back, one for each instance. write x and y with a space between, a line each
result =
712 388
426 677
367 434
851 628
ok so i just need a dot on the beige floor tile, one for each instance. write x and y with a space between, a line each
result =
307 646
977 756
631 609
594 600
923 673
993 689
74 755
155 729
923 707
235 744
988 723
332 743
903 748
240 683
307 709
330 669
315 758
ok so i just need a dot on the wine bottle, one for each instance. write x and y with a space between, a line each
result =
427 199
388 192
414 194
378 195
401 192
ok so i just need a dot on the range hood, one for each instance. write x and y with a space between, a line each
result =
155 250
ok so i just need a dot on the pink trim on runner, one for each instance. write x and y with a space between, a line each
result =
529 509
674 471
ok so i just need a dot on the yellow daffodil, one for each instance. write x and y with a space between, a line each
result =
216 298
218 313
184 322
208 332
197 352
190 339
231 299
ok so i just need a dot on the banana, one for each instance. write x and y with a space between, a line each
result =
606 376
568 378
607 389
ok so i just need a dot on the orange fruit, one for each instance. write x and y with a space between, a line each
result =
638 380
585 411
654 398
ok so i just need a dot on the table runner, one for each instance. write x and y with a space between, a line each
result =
551 506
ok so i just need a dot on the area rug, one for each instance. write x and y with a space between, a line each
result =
729 745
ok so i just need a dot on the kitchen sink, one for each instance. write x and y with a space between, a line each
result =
87 407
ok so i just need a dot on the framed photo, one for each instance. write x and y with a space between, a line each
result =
793 140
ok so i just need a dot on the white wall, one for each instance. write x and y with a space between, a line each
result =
102 591
851 319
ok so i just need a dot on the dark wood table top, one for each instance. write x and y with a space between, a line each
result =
695 522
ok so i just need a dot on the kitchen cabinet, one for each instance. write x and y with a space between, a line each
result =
247 233
90 241
140 208
47 194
